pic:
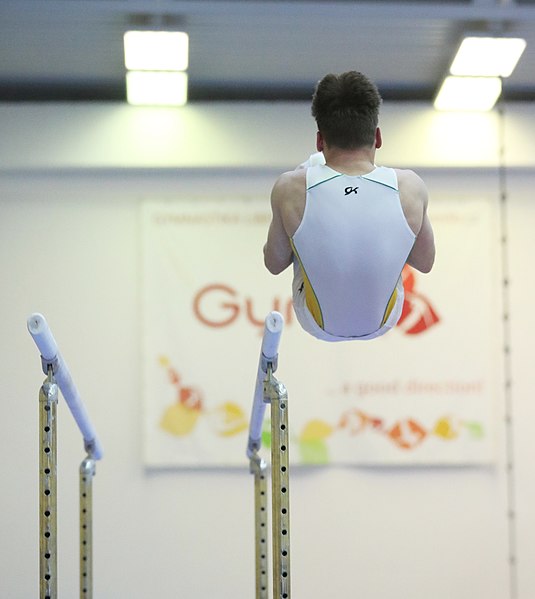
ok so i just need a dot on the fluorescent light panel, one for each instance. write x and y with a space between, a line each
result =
487 56
157 88
156 50
468 93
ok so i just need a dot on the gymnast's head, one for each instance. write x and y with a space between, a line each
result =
346 109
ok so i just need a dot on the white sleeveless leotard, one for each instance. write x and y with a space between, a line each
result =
349 251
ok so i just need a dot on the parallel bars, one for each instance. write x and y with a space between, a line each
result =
58 376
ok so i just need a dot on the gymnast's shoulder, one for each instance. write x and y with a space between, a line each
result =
289 185
411 184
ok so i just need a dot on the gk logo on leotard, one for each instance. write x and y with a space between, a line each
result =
349 190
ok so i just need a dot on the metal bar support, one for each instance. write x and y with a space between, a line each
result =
258 467
48 574
276 394
87 472
268 390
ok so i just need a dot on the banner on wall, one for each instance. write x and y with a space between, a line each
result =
425 393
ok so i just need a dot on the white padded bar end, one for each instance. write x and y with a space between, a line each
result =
273 326
40 331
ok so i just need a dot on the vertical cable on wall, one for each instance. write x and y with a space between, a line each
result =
507 368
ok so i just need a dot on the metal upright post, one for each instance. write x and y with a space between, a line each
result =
269 390
87 472
258 468
48 571
275 393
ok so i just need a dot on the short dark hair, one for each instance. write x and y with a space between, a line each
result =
346 109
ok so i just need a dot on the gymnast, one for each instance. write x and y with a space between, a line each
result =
347 225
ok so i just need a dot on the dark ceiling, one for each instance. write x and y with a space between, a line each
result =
71 50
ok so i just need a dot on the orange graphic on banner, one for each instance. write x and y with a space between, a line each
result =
181 418
407 433
218 305
417 314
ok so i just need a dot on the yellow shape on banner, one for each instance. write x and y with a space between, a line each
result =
179 420
315 430
229 419
444 428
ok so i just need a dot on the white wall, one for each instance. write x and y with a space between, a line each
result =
72 182
240 135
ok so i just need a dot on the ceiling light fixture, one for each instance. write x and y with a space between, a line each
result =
156 50
156 63
474 82
157 88
468 93
487 56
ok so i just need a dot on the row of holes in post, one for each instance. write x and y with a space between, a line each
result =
48 494
84 541
284 511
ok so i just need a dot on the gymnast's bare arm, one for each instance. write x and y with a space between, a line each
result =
287 205
414 199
